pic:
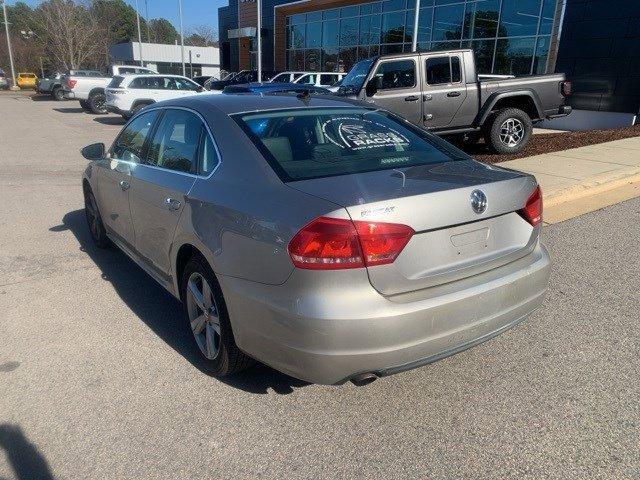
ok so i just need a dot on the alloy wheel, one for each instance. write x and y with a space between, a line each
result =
203 315
511 132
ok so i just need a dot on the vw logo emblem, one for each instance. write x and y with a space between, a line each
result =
478 201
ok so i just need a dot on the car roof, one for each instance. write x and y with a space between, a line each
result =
147 75
232 104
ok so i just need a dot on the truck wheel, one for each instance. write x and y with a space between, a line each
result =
98 103
509 130
84 105
58 93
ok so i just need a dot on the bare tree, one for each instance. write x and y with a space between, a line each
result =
202 36
71 32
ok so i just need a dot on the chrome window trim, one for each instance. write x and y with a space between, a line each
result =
206 126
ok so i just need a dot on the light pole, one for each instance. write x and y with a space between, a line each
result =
139 35
416 16
6 30
184 71
258 33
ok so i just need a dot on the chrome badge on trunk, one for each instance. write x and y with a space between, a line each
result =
478 201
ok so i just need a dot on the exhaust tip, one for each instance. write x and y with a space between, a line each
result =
363 379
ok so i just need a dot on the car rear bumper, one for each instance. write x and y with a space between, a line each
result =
337 331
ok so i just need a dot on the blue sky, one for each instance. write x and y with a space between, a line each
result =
196 12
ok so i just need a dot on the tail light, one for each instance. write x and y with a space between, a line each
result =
335 243
71 83
532 210
566 88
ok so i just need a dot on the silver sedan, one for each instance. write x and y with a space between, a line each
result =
328 239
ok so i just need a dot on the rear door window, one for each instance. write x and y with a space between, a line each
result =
174 145
443 70
313 143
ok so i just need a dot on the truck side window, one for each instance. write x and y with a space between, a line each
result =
397 74
441 70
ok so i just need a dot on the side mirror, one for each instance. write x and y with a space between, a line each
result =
95 151
372 86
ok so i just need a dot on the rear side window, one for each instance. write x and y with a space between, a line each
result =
116 81
128 145
313 143
175 142
327 79
397 74
442 70
207 154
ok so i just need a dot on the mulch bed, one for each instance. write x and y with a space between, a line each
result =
553 142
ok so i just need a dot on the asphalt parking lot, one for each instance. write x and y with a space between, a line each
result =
98 381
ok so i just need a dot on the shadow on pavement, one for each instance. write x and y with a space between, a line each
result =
70 110
23 456
162 313
42 97
110 120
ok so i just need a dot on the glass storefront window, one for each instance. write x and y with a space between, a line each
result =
314 35
447 22
392 27
334 39
514 56
519 17
349 31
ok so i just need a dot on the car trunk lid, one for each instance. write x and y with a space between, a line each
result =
451 240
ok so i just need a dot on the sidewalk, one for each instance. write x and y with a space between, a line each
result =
584 179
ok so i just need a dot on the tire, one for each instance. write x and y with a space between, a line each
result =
508 130
84 105
97 103
58 94
94 220
214 341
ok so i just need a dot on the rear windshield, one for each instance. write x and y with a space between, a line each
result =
314 143
116 81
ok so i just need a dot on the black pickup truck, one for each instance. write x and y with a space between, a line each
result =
442 92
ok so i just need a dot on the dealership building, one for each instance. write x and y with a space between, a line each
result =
596 42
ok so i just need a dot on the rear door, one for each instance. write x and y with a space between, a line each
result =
399 88
444 89
115 176
162 182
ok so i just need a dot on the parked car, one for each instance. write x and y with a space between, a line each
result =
203 79
4 82
244 76
320 79
125 95
275 88
27 80
90 90
53 84
441 91
326 238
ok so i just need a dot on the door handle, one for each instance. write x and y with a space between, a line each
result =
411 98
427 97
453 94
124 185
172 203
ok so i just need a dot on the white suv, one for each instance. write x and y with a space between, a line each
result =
128 94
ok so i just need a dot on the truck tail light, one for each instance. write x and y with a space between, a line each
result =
335 243
71 83
532 210
566 88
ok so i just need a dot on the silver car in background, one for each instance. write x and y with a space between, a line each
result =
328 239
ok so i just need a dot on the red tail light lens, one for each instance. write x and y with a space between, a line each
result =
532 211
566 88
382 242
334 243
71 83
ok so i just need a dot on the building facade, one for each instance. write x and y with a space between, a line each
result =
508 36
168 58
600 52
